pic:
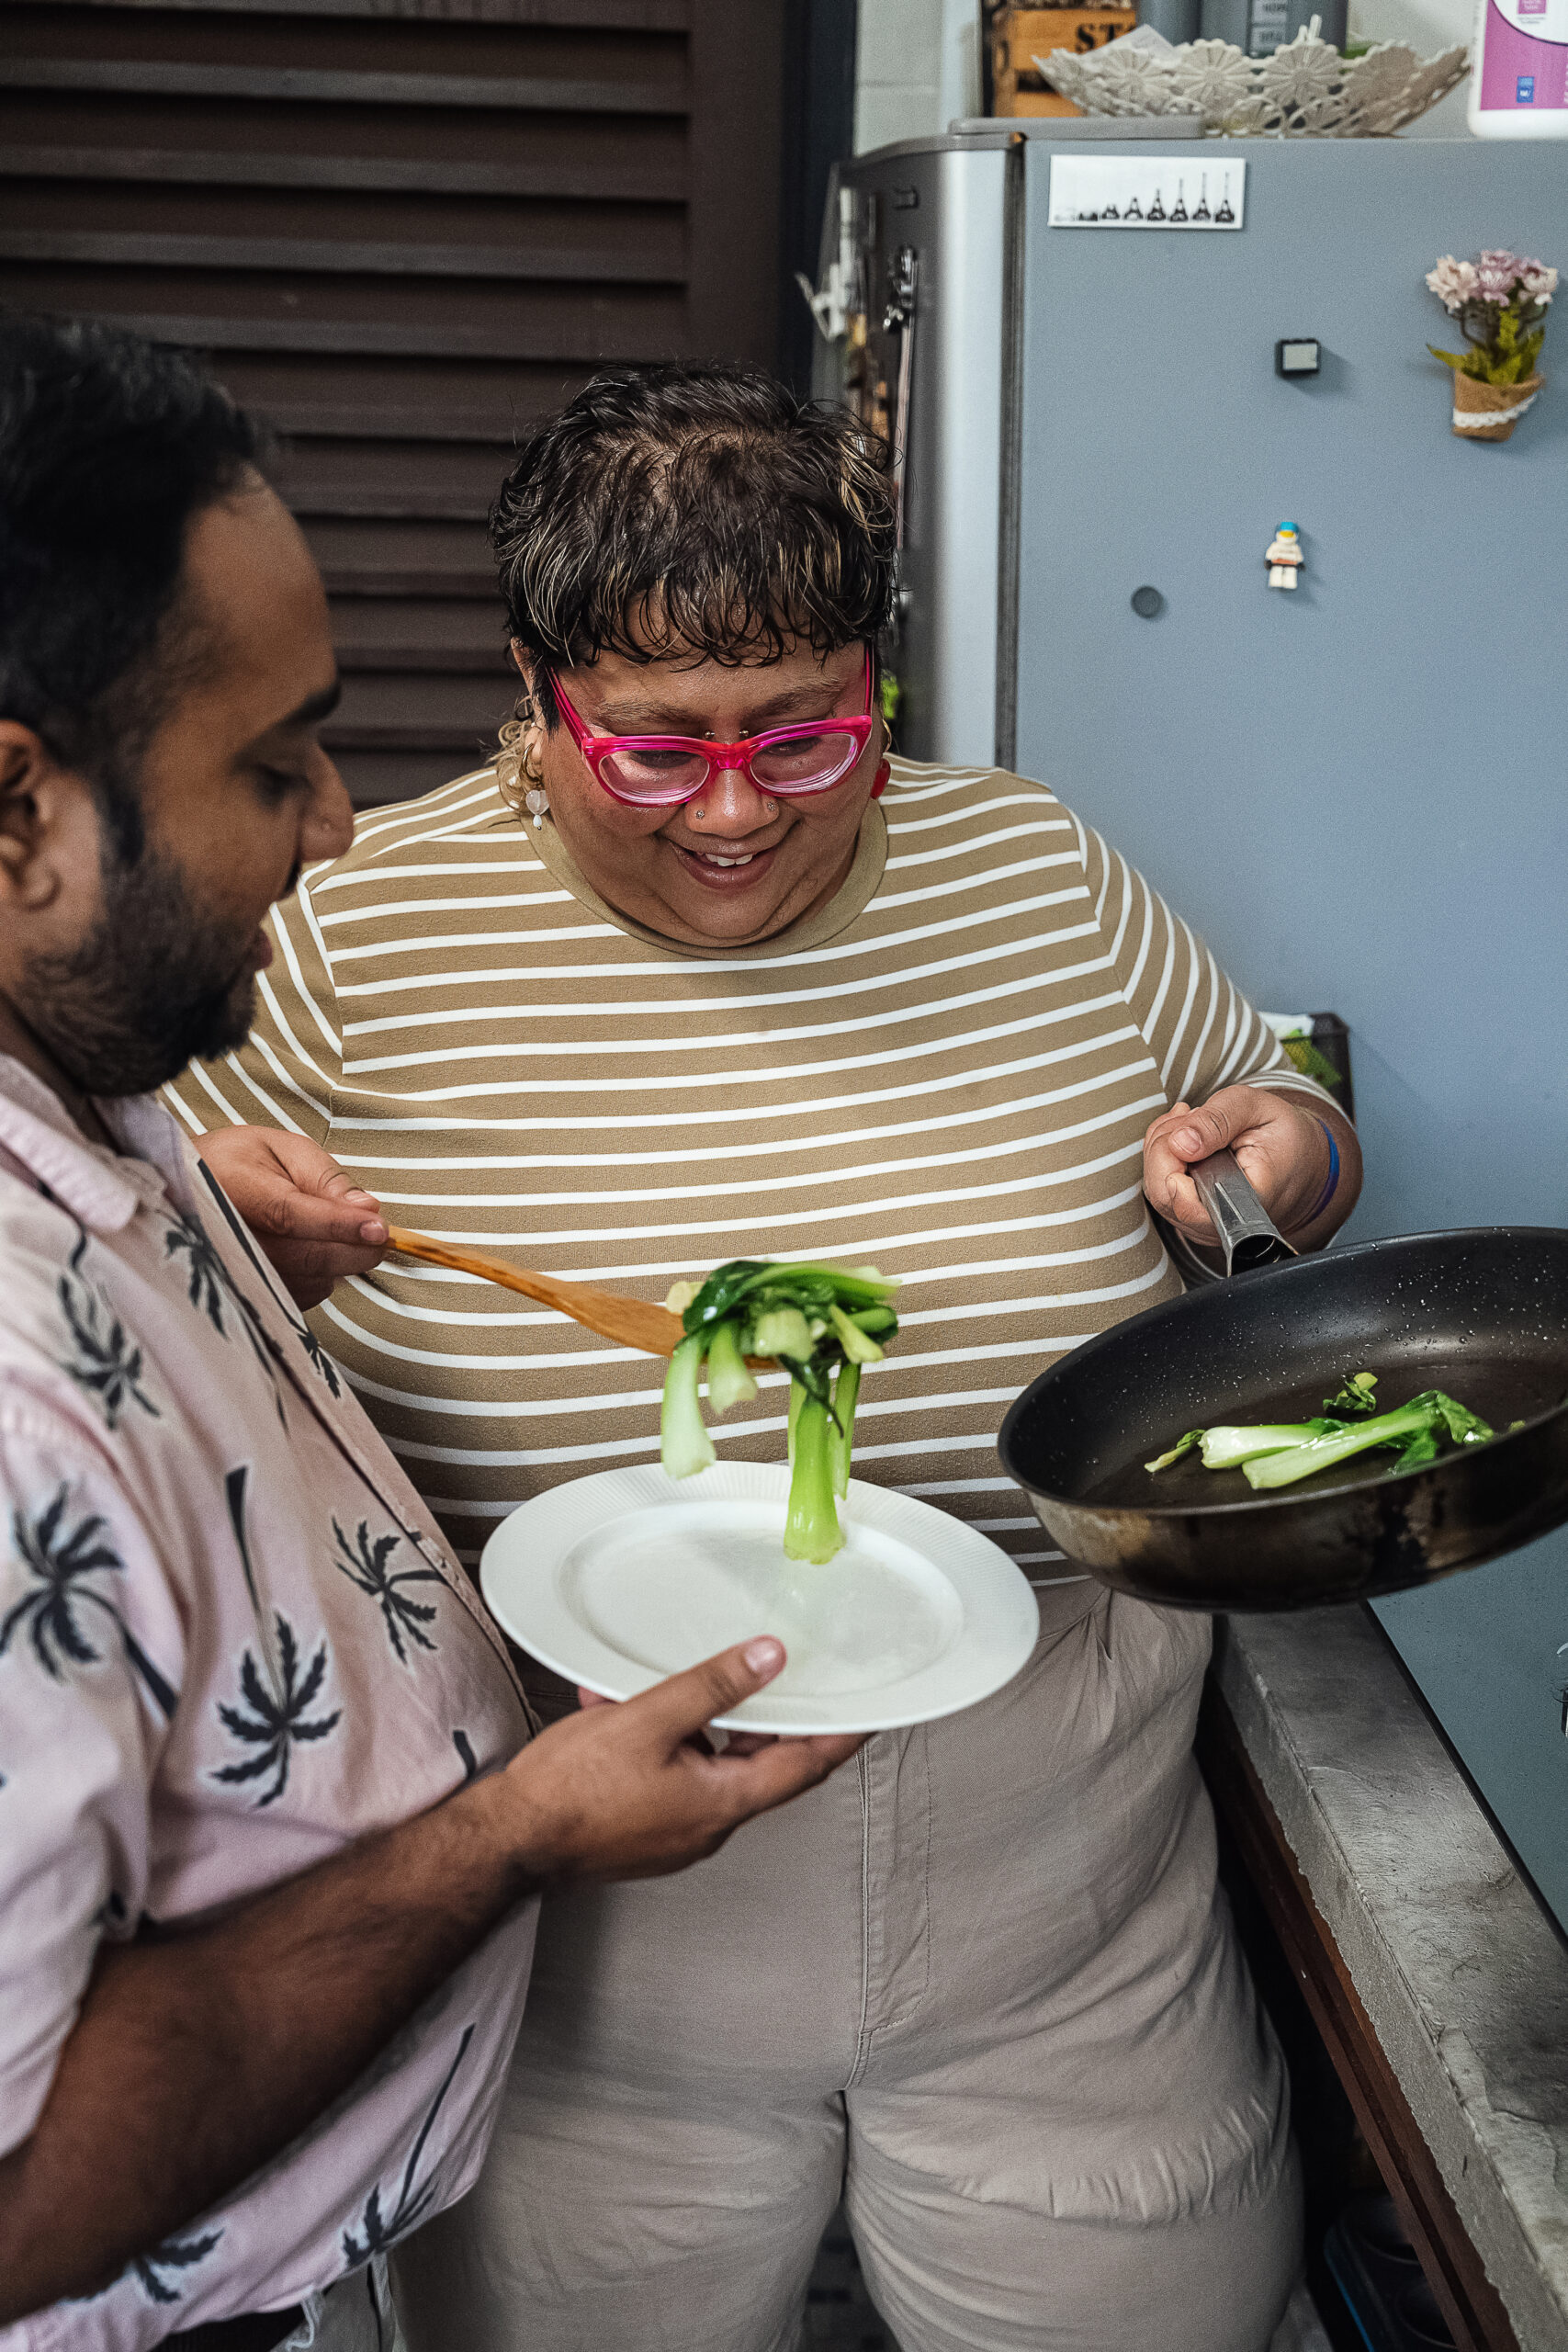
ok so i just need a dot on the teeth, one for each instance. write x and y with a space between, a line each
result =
708 859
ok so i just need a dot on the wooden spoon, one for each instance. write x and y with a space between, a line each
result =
630 1322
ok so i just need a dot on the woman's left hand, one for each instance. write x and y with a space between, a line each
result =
1282 1151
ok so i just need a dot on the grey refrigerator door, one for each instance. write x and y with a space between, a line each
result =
1357 791
944 202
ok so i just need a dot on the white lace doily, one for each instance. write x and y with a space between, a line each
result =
1306 89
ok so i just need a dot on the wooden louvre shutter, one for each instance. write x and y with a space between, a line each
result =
403 230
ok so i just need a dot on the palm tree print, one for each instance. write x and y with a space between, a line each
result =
379 2231
210 1287
321 1363
365 1564
278 1720
61 1559
105 1362
174 2254
207 1277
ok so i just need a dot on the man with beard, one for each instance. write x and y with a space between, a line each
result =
270 1828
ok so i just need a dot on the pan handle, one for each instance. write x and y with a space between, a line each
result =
1248 1234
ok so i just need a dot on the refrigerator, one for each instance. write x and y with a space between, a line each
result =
1358 788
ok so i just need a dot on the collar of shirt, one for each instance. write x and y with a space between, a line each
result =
102 1189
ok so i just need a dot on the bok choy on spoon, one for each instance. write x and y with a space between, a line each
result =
823 1324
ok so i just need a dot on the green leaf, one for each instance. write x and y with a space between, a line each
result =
858 1345
720 1292
1185 1444
1355 1395
1464 1427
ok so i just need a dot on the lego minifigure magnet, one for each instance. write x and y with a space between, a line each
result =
1283 556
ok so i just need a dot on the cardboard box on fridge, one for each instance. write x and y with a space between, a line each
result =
1019 35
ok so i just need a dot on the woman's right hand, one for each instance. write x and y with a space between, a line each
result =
312 1221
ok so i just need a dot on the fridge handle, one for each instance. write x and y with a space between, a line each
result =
899 317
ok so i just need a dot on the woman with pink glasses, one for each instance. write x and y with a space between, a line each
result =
694 970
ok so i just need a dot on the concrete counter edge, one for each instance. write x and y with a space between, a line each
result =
1464 1980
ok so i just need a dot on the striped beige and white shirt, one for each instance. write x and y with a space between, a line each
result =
946 1073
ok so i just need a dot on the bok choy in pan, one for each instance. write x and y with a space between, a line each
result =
822 1323
1277 1455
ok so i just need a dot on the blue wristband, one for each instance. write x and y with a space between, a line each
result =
1333 1184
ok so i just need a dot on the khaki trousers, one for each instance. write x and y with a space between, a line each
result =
981 1981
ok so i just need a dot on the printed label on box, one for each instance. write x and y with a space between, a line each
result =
1269 26
1146 192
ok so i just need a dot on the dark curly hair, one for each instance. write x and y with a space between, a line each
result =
702 509
108 446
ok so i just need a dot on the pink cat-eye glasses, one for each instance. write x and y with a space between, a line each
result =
664 771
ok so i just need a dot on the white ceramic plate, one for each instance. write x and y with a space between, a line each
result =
619 1580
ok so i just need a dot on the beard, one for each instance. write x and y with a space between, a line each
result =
156 984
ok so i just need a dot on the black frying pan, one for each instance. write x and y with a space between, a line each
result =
1481 1314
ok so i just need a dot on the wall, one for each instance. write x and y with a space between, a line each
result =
918 64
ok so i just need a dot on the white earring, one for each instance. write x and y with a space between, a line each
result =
537 801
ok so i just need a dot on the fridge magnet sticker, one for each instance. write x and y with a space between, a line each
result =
1146 192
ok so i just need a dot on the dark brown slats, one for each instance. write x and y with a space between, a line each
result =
310 37
431 660
382 634
461 745
318 256
658 180
405 231
592 342
462 235
448 708
438 136
494 401
591 15
291 84
341 585
443 549
412 504
458 660
314 472
376 777
543 320
303 418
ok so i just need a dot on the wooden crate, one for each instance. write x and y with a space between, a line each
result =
1019 35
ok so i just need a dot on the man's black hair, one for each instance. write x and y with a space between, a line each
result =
702 510
109 448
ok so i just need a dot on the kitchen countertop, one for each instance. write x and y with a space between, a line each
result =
1463 1978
